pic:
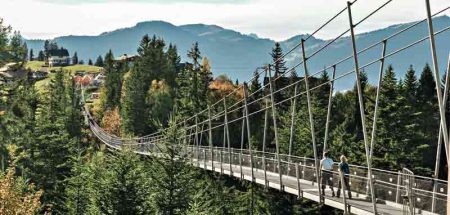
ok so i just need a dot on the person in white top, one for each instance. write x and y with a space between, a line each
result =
326 166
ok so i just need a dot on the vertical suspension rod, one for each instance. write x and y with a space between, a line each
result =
266 119
196 140
242 143
293 112
275 129
438 89
361 108
439 146
210 138
436 75
311 120
250 147
330 98
228 135
377 98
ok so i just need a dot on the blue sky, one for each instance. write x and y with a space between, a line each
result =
275 19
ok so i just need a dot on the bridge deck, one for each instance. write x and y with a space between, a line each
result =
358 204
389 185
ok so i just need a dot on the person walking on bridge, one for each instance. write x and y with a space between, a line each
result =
344 169
326 165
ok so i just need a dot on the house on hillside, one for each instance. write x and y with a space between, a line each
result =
58 57
84 80
94 95
128 58
99 79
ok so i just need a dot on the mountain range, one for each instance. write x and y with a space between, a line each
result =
237 55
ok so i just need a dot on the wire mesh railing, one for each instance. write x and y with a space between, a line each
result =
298 172
390 186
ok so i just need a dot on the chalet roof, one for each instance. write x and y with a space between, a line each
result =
126 57
58 52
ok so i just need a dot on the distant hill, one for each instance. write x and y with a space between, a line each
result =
417 55
237 54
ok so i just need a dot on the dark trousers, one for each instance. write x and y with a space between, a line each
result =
347 187
327 179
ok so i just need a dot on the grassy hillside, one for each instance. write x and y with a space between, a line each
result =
36 65
42 85
85 68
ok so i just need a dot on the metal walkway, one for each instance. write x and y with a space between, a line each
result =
298 176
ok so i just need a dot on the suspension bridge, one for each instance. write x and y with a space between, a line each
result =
375 191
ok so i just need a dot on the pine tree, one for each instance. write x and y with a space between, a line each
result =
80 192
426 90
18 125
388 149
4 38
75 58
183 104
99 61
49 45
152 61
113 81
18 48
253 200
205 77
410 85
256 92
90 62
46 47
54 149
428 114
160 102
201 77
212 196
88 189
346 135
172 175
126 185
320 98
173 61
41 56
255 86
193 82
357 113
73 114
279 67
31 56
24 52
195 55
133 107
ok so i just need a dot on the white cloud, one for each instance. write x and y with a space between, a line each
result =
277 19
